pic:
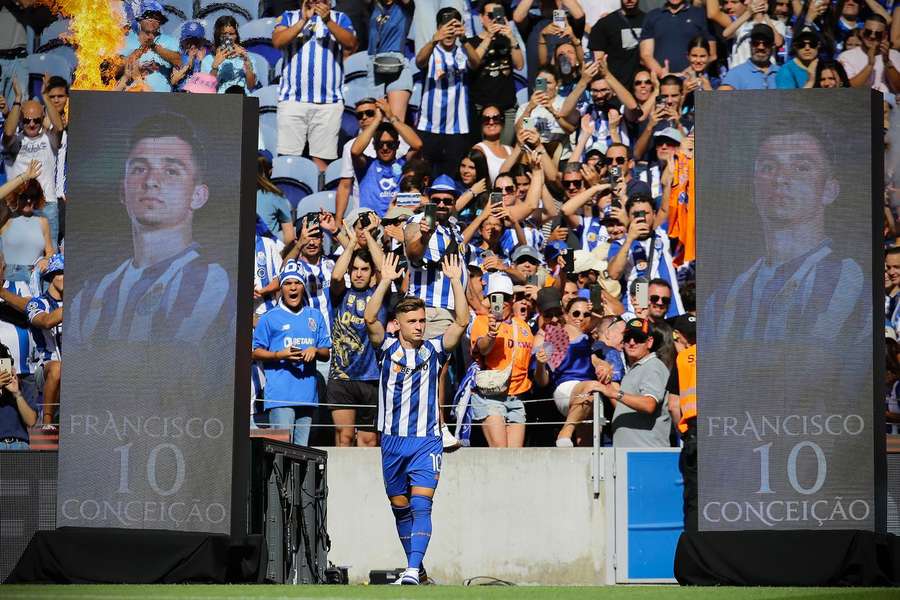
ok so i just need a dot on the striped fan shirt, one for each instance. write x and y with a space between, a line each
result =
177 299
445 94
313 63
15 334
636 266
427 280
268 265
317 286
408 391
48 342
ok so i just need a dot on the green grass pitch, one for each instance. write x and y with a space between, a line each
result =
362 592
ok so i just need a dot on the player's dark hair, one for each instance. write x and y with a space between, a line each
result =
409 304
169 124
572 302
620 145
447 10
892 250
388 129
798 120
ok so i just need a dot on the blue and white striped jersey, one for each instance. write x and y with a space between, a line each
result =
427 280
636 266
48 342
591 232
14 332
179 299
313 63
533 237
408 391
445 94
317 286
267 268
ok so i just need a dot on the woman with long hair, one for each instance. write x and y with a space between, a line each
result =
271 205
495 151
231 64
25 237
475 179
830 74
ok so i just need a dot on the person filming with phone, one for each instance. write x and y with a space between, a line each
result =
17 414
501 345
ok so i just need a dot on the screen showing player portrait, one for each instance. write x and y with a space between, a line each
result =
152 236
784 293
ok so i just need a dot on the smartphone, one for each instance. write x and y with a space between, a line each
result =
496 198
365 220
597 297
615 172
660 102
641 291
531 280
641 214
497 305
402 263
430 212
498 16
446 18
408 199
540 84
559 18
312 221
452 247
526 123
570 261
6 365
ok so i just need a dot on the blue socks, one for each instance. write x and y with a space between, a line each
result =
404 519
421 529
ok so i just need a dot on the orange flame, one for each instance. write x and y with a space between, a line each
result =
96 31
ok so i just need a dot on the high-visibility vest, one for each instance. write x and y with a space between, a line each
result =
686 363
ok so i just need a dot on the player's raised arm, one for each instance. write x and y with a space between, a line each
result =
453 272
389 272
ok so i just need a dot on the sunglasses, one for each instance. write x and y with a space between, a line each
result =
393 145
633 337
807 44
643 82
390 222
616 160
664 300
577 314
509 189
493 119
872 35
760 43
445 200
577 183
365 113
28 121
519 296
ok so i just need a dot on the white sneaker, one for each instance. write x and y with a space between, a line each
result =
409 577
564 443
448 439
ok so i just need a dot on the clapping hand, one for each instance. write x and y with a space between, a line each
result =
33 171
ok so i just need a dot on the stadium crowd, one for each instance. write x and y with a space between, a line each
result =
547 143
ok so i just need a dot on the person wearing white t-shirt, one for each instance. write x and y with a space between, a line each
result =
544 110
874 64
739 30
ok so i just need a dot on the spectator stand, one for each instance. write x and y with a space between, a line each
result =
243 11
52 64
355 66
256 37
268 130
296 177
178 12
315 203
333 174
261 68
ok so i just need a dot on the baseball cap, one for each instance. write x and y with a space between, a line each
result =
761 31
443 183
526 252
398 212
150 6
55 265
807 32
549 298
192 29
499 283
553 249
265 154
585 261
638 329
670 133
290 270
636 187
686 324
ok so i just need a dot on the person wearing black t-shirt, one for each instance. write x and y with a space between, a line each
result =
492 80
541 35
618 35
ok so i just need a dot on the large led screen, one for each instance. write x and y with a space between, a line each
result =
787 181
153 328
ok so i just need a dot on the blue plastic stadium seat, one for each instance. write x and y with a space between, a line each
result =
256 36
38 64
315 202
182 9
243 11
173 26
67 53
355 66
268 129
333 174
268 98
296 171
261 68
49 37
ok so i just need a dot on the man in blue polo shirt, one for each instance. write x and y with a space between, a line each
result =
759 72
288 340
666 33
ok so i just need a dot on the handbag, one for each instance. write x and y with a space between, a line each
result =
495 382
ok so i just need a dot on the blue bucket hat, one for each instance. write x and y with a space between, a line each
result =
290 270
443 183
193 29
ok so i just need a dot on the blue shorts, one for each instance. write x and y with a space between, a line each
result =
410 461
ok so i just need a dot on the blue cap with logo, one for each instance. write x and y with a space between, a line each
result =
55 265
150 6
193 29
290 270
443 183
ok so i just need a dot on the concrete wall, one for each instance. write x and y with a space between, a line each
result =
527 516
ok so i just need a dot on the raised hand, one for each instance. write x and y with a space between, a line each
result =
33 171
389 268
450 266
